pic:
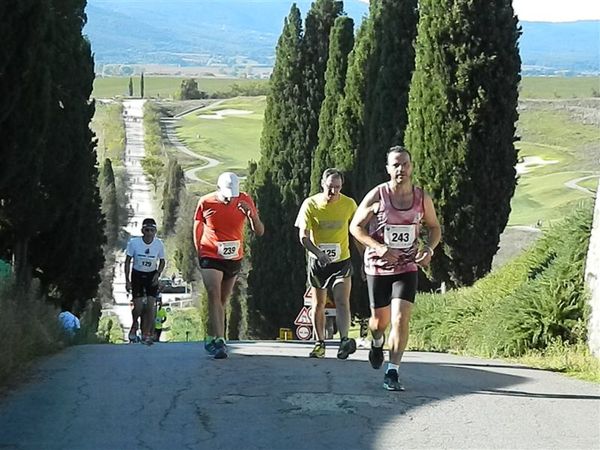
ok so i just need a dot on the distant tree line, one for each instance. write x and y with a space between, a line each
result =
51 223
441 79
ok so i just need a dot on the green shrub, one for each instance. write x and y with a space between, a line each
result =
529 304
28 328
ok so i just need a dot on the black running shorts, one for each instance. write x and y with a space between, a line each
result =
229 267
383 288
324 277
142 284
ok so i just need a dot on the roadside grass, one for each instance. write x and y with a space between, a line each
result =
533 309
163 87
560 87
28 329
233 140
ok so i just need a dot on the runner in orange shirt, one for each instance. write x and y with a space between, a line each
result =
219 237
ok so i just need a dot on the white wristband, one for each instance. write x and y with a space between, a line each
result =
428 248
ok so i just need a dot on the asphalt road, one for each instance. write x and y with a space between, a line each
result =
269 395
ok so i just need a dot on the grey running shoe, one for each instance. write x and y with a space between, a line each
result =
391 381
220 349
347 347
318 351
148 340
376 356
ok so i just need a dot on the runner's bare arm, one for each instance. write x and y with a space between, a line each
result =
308 244
198 230
127 266
256 224
434 232
364 213
358 227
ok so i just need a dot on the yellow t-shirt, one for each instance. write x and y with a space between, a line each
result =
328 224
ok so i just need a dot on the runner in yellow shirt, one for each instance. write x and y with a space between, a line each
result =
323 230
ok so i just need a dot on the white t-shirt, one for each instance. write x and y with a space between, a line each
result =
145 256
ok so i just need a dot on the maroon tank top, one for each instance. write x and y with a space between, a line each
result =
399 230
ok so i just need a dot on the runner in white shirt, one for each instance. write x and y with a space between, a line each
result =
148 254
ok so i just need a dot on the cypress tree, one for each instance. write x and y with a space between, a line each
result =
341 42
276 190
171 195
372 114
130 87
463 109
315 48
24 103
142 85
68 252
110 205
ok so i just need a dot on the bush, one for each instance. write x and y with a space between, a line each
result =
29 328
533 302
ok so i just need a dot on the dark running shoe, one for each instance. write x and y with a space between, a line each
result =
209 346
391 381
347 347
376 356
220 349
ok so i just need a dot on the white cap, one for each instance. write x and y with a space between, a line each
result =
229 184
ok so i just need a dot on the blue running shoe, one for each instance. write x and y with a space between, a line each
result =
209 346
221 349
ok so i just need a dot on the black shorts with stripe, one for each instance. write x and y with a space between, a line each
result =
324 277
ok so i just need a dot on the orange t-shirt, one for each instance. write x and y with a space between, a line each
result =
223 226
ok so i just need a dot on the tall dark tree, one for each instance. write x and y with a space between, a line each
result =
174 183
276 189
463 109
24 102
142 85
130 87
341 42
372 115
110 205
315 47
68 252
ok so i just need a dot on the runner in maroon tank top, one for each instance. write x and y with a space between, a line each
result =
387 222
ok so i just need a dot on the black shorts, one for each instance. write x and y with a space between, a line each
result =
324 277
383 288
142 284
229 267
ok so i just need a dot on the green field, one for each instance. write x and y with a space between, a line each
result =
162 87
234 139
548 129
559 87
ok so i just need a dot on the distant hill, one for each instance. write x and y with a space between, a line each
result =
243 33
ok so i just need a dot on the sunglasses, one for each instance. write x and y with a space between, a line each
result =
148 230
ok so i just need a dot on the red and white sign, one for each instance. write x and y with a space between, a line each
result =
303 317
308 297
303 332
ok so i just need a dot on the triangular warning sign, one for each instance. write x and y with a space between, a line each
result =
308 297
303 317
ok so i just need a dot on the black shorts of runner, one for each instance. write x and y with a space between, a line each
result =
142 284
324 277
229 267
383 288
